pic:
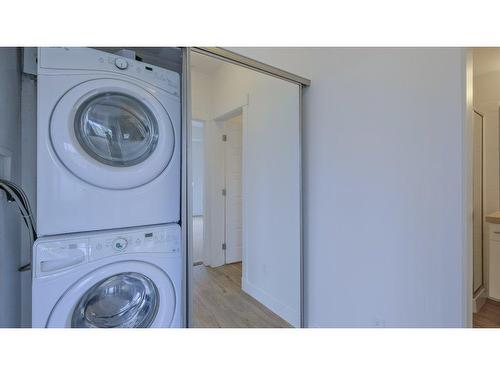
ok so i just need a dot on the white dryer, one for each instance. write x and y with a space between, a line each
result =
108 142
110 279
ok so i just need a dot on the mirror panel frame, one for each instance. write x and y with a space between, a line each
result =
186 135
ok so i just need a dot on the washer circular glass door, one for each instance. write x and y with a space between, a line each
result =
112 133
125 300
142 296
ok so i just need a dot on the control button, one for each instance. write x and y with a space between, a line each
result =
120 244
121 63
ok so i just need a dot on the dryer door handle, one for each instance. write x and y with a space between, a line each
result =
57 264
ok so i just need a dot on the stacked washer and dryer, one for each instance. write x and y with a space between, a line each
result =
108 192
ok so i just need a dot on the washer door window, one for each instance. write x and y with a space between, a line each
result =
112 133
122 294
127 300
116 129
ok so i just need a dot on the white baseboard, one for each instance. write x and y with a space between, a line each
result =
277 307
479 300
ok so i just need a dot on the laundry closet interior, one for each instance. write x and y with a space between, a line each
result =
149 187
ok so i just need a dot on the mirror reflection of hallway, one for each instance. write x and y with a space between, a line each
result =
246 197
219 300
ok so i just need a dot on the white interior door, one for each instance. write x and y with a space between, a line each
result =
477 194
233 181
214 202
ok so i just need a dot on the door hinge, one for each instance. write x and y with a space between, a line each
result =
224 192
224 246
224 137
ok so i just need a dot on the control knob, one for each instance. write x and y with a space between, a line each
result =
121 64
120 244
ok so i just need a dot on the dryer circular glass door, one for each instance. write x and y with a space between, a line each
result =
112 133
143 296
116 129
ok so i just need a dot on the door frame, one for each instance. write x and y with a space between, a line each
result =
220 120
247 62
187 194
186 191
214 238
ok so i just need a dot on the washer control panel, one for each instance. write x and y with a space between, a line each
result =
164 240
65 252
56 256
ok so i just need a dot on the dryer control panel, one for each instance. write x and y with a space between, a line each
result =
75 60
65 252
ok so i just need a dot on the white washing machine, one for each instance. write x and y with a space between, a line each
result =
108 142
110 279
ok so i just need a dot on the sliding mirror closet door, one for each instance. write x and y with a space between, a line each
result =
246 197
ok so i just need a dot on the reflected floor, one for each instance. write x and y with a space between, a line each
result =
219 302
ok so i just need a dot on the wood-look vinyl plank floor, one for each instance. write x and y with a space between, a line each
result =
488 316
219 301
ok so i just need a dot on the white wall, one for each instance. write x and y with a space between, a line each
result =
10 104
28 179
10 136
382 184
